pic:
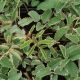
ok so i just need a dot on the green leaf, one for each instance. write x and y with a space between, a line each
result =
73 52
34 15
2 5
17 54
25 43
39 34
47 42
60 33
78 30
59 66
35 62
54 63
12 72
53 52
15 29
5 62
63 72
3 48
52 45
36 78
72 69
39 26
34 3
63 50
77 78
31 51
54 21
7 36
2 79
60 4
13 75
44 55
32 29
70 19
73 38
25 21
49 4
46 16
76 9
16 61
42 71
62 66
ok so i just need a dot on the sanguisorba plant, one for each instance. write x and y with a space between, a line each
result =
44 45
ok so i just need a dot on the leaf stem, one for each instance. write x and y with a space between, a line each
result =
27 75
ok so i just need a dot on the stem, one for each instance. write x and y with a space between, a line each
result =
27 75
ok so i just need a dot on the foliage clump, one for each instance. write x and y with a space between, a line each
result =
39 40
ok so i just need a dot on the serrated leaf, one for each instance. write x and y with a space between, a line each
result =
35 62
44 55
63 64
16 61
39 26
47 42
3 48
46 5
70 19
42 71
34 15
59 65
25 21
60 33
31 51
39 34
49 4
54 21
63 50
54 63
73 38
17 54
5 62
60 68
15 29
63 72
53 52
13 75
72 69
32 29
73 52
46 16
25 43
